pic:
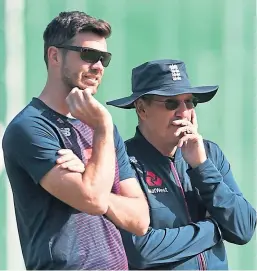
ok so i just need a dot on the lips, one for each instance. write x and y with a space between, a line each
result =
91 81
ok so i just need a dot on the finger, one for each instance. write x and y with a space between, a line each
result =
74 165
184 129
75 98
76 168
182 122
88 93
67 157
71 95
64 151
187 137
194 118
181 142
71 163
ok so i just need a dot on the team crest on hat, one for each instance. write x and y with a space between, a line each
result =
163 77
175 73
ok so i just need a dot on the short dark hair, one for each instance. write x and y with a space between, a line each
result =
63 28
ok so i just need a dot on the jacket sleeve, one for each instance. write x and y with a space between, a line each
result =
160 246
222 197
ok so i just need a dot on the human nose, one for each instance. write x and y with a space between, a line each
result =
182 109
98 66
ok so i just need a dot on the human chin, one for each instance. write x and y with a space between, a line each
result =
85 86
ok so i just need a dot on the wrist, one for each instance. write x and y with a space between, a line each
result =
104 128
110 204
196 164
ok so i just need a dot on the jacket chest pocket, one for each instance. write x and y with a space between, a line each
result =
161 215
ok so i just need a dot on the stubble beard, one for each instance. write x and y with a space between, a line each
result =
71 81
68 80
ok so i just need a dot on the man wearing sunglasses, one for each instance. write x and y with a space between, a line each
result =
195 203
68 217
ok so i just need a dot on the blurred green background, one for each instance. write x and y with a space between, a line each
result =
215 38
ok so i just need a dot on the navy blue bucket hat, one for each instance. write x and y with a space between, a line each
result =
165 77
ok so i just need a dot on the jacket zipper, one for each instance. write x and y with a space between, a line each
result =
201 258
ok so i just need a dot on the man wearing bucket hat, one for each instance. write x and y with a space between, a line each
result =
193 198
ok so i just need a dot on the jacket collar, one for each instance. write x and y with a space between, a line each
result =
145 144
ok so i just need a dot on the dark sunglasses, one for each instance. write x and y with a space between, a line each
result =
172 104
89 55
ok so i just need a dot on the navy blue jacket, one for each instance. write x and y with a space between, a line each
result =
192 210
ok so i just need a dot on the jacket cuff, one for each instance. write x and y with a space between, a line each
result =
201 168
217 226
205 175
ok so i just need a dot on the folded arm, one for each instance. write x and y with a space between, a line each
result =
160 246
129 210
36 151
223 199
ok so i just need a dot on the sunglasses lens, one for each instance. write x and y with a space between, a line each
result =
105 59
172 104
190 104
92 56
195 102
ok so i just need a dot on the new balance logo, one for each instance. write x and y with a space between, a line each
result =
65 131
60 120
